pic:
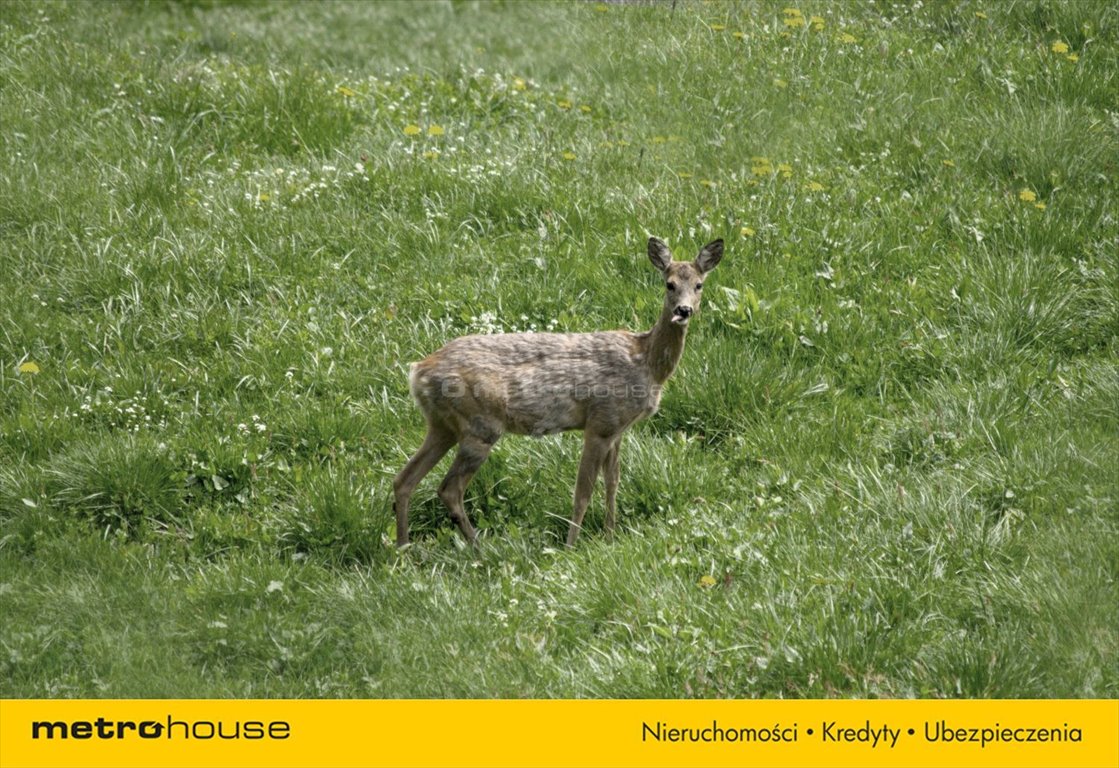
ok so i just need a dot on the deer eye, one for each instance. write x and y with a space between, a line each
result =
672 286
699 286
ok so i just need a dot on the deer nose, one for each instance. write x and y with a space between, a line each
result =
684 311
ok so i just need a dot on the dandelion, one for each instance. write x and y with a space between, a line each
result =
794 19
1040 206
718 27
848 38
706 582
1027 195
264 197
520 84
435 130
349 93
431 154
761 166
747 232
948 163
1059 47
569 155
563 104
412 130
585 109
815 186
817 23
785 170
1073 58
739 35
29 367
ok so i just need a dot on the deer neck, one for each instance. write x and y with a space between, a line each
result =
663 346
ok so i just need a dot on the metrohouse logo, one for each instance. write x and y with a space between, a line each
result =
202 730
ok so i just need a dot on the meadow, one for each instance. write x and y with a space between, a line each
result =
887 466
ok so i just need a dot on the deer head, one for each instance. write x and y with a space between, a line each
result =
683 279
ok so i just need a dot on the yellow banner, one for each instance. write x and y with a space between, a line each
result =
345 734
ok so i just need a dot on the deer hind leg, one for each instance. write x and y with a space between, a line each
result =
436 444
611 473
594 451
472 453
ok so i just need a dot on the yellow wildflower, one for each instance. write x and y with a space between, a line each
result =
1039 206
785 170
814 186
780 83
519 84
602 8
435 130
685 174
792 13
1059 47
718 27
431 154
707 582
1027 195
761 166
412 130
948 163
747 232
848 38
568 155
347 92
29 367
563 104
585 108
980 15
817 22
709 183
794 22
1073 57
739 35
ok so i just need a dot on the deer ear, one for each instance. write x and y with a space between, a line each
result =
711 254
659 254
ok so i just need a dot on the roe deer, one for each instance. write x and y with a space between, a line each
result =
476 388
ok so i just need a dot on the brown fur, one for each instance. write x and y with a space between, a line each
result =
476 388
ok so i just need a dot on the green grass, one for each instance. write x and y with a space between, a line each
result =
892 442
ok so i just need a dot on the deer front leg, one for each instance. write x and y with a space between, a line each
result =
610 473
594 451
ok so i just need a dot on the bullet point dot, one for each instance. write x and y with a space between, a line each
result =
809 731
911 731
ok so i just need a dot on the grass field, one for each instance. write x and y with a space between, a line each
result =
887 464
